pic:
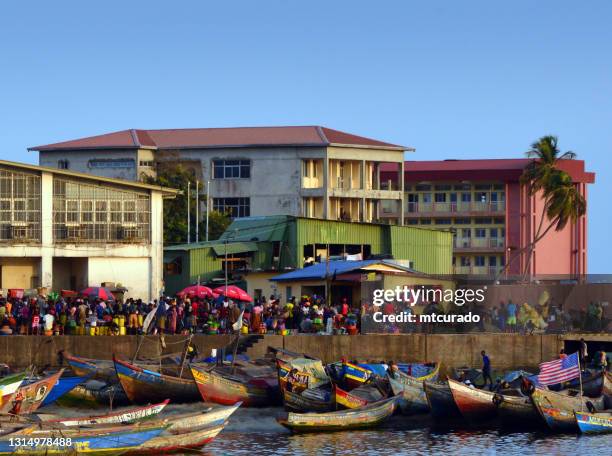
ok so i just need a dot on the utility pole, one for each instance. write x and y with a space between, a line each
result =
208 200
197 211
188 213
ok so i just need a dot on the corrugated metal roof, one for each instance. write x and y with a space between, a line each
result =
262 229
221 248
320 270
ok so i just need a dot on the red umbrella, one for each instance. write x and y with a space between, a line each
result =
97 293
233 292
196 291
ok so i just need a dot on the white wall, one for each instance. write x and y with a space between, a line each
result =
132 273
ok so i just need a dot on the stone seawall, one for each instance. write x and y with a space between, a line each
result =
452 350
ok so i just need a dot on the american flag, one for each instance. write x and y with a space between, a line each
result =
559 370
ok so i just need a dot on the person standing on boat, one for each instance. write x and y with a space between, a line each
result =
486 370
584 353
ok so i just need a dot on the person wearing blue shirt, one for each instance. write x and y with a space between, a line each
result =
511 311
486 370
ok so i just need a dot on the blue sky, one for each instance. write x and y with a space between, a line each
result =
470 79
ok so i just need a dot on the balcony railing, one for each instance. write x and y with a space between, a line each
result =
457 207
479 243
477 270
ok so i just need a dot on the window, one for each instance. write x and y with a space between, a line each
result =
63 164
465 261
147 163
19 205
492 261
443 187
443 221
484 221
498 220
493 232
480 232
425 221
482 197
306 168
466 232
426 197
462 221
440 197
422 188
466 197
479 260
234 207
413 222
463 187
482 186
87 212
231 169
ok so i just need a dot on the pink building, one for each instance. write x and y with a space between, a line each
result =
491 214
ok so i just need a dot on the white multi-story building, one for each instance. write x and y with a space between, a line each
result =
62 229
307 171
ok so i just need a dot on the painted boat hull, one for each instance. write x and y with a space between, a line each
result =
298 403
101 441
594 423
178 443
64 386
516 410
473 404
216 388
412 396
126 416
361 418
348 400
440 400
557 408
81 396
34 394
143 386
96 369
8 387
187 422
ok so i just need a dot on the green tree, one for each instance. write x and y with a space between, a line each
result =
175 210
563 203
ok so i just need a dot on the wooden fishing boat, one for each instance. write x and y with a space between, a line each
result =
412 397
186 422
8 387
303 402
124 416
440 400
227 390
94 394
515 409
369 416
143 386
63 386
178 443
473 404
355 375
86 441
32 394
358 397
557 408
98 369
417 381
594 423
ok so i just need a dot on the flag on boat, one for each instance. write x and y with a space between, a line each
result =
238 325
559 370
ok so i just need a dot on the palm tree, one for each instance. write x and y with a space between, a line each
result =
563 203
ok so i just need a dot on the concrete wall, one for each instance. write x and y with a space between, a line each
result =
132 273
78 160
506 351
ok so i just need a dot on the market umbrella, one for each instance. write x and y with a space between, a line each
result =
233 292
196 291
97 293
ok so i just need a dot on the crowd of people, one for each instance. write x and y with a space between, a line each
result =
173 315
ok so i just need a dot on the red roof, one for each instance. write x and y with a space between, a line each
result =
198 138
504 169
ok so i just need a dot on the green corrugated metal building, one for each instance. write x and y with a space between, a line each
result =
282 243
